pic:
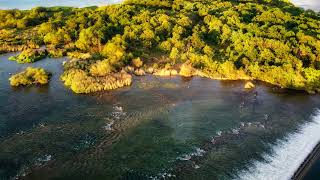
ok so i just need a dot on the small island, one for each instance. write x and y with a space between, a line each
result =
30 76
29 56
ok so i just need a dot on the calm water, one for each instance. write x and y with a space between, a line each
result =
158 128
28 4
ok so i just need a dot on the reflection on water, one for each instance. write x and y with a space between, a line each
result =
157 128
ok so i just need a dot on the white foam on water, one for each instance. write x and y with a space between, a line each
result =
287 155
186 157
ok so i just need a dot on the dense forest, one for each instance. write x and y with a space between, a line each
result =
267 40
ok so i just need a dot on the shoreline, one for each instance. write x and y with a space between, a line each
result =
303 169
184 70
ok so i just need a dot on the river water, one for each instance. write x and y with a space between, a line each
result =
158 128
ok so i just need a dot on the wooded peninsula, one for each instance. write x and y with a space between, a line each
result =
267 40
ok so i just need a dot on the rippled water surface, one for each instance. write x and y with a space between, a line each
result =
157 128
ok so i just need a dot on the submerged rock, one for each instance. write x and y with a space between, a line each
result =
249 85
118 108
166 72
108 126
196 166
139 72
186 157
150 70
129 69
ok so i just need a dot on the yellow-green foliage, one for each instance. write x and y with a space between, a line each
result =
81 82
229 71
268 40
30 76
29 56
113 51
312 78
54 52
187 70
285 77
78 55
101 68
137 62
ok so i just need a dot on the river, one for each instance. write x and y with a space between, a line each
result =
159 127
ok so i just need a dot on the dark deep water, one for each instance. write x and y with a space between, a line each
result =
314 172
157 128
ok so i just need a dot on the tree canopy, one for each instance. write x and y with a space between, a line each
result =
272 41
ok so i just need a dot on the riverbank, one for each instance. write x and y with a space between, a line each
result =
88 76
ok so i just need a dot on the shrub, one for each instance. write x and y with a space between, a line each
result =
29 56
187 70
78 55
101 68
81 82
137 62
30 76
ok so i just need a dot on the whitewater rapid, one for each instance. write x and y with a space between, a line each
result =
287 154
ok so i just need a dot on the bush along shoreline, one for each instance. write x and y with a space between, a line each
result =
29 56
270 41
30 76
